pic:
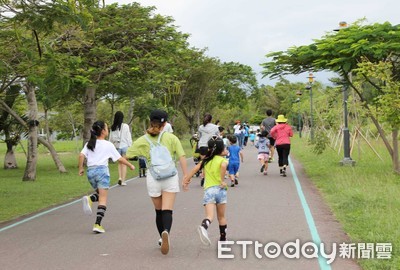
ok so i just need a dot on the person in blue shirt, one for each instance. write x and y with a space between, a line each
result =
252 137
235 157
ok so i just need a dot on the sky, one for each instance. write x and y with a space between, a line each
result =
245 31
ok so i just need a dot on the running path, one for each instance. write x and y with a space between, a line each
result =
267 209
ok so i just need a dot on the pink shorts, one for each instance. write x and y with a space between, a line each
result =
263 156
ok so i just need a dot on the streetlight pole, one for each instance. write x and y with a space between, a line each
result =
298 93
347 160
309 87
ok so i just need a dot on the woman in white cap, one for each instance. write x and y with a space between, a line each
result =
282 133
162 192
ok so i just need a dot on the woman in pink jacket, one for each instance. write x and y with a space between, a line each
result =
282 133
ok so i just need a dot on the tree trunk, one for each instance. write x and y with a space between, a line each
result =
31 162
47 125
130 112
10 161
381 132
395 156
374 120
89 112
54 155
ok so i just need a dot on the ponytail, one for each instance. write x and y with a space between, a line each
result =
95 132
207 119
155 127
215 147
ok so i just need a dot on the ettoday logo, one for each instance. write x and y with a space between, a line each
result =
272 250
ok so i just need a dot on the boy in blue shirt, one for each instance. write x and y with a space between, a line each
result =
235 156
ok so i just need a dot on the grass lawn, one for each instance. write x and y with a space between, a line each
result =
365 198
19 198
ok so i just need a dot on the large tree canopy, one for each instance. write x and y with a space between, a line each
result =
339 51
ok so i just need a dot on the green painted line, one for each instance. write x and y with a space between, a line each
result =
310 220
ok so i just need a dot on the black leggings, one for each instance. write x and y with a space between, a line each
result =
283 154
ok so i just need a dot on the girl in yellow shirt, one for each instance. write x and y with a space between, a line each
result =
215 189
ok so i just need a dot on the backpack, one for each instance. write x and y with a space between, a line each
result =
161 164
115 137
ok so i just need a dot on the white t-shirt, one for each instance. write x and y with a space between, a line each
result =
102 152
237 129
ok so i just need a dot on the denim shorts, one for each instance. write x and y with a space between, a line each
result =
215 195
99 177
122 151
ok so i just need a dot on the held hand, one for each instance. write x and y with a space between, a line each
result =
223 185
185 186
185 183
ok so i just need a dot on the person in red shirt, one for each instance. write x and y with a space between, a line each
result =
282 133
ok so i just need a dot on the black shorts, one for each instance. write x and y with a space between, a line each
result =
202 150
272 141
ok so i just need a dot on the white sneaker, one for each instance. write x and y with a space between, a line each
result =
121 183
87 205
164 242
159 242
203 235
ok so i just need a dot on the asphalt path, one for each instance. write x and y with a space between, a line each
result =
268 216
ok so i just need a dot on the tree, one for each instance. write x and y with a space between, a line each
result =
117 54
342 52
199 93
22 30
11 129
387 101
238 83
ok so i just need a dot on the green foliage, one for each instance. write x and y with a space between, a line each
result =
339 51
237 83
387 99
321 141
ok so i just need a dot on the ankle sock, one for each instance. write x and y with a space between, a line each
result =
222 232
205 223
94 197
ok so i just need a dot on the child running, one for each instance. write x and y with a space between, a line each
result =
97 151
215 195
235 156
263 151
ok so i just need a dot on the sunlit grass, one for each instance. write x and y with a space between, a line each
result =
18 198
365 198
